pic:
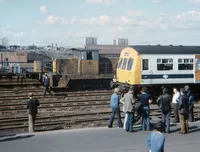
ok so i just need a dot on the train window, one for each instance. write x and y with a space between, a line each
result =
89 55
124 63
130 64
165 64
120 62
158 60
145 64
185 64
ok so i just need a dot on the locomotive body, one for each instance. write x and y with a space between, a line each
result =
156 66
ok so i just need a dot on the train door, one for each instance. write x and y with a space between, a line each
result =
146 71
197 68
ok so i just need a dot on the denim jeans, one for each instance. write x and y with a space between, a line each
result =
115 110
129 122
146 119
166 120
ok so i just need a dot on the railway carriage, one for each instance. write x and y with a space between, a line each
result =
156 66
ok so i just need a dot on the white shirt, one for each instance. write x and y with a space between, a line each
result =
176 97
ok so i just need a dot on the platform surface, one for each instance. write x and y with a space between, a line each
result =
98 140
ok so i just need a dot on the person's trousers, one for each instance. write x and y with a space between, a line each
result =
129 122
31 122
175 109
191 113
184 124
146 119
125 119
46 89
115 111
166 120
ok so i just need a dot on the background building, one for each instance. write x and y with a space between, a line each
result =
90 41
4 42
123 42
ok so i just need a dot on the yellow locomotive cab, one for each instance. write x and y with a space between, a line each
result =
129 67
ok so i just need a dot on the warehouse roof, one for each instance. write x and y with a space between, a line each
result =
107 49
159 49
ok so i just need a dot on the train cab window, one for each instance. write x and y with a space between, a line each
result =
120 63
89 55
185 64
130 64
145 64
164 64
124 63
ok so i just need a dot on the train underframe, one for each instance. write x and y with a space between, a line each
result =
82 82
156 89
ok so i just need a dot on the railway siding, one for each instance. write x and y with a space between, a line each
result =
64 110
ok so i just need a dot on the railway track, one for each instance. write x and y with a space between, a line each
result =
63 111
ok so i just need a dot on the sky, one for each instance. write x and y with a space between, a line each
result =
68 22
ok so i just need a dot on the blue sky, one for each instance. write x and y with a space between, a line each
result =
67 22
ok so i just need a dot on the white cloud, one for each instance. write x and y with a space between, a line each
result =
21 34
131 22
157 1
135 13
5 31
101 20
51 19
106 2
194 1
189 16
43 9
162 1
77 34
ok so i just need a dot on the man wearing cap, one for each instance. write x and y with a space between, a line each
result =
145 100
32 106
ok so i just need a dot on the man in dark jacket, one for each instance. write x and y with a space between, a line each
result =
190 102
46 85
145 100
183 112
32 105
164 102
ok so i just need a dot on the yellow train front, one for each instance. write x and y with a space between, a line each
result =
156 66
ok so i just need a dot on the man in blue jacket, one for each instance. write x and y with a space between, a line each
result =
156 140
114 104
46 85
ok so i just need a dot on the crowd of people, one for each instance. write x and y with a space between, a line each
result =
181 102
136 107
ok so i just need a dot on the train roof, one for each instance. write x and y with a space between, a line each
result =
159 49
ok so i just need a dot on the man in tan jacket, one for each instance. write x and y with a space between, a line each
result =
129 102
